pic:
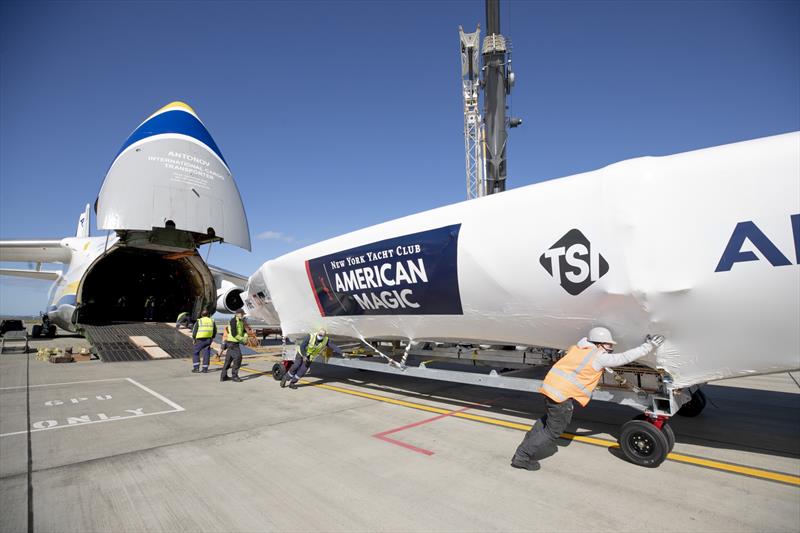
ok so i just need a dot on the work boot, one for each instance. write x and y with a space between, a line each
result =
530 464
236 379
224 378
293 385
284 379
195 370
204 371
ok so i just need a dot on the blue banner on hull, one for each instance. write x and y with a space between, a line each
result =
414 274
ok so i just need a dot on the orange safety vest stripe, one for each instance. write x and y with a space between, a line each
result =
573 376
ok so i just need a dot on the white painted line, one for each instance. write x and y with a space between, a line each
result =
175 407
91 422
157 395
65 383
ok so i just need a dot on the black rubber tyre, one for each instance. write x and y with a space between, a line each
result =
278 371
51 331
695 406
36 331
666 429
643 443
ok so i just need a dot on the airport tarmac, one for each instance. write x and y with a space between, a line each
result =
150 446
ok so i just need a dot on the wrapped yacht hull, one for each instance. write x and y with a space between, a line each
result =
702 247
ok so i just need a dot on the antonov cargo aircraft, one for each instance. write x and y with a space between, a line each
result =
168 191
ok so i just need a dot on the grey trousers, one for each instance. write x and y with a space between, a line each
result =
540 441
233 359
298 368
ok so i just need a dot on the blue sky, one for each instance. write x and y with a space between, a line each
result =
338 115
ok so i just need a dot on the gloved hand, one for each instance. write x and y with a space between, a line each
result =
655 340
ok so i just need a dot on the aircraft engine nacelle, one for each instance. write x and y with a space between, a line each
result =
229 298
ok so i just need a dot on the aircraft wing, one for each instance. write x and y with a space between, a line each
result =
42 251
51 275
227 275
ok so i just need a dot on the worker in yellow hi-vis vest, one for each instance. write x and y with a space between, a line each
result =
312 346
184 320
236 333
203 333
573 377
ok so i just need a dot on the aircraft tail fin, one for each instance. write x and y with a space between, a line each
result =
83 223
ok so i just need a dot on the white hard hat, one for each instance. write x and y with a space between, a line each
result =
601 335
322 333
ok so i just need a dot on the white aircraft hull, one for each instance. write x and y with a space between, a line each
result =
702 247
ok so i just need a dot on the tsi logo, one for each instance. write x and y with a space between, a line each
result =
573 263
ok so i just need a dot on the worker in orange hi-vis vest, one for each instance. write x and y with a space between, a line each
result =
573 377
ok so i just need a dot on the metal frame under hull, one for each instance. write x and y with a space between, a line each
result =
654 396
638 400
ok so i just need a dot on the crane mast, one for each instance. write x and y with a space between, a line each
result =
485 137
473 131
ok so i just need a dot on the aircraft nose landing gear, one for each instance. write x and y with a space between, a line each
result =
646 441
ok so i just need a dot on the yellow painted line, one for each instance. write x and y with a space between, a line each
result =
241 368
591 440
677 457
736 469
494 421
383 399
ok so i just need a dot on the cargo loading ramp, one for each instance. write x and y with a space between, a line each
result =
137 341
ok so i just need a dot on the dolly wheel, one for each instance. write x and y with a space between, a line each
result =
278 371
643 443
666 429
694 406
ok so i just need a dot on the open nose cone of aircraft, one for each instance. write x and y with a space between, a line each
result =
168 191
171 174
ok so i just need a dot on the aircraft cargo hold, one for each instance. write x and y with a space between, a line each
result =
167 192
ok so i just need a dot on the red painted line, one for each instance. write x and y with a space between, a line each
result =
313 289
404 445
421 422
382 434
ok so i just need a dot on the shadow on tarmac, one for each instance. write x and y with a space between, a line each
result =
735 418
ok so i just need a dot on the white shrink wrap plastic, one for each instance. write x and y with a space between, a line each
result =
702 247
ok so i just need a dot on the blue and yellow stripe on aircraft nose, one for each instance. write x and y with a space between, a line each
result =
178 118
